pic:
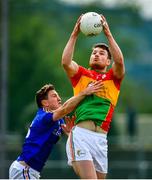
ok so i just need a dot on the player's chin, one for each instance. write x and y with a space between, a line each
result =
57 106
96 66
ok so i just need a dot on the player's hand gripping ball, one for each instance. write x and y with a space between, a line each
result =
90 24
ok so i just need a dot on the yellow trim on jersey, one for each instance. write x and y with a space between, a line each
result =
108 91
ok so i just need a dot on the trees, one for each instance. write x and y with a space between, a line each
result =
38 31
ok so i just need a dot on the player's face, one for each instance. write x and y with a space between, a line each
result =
99 58
54 100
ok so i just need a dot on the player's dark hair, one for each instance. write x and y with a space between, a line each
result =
43 94
103 46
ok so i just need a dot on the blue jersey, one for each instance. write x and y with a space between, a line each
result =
40 139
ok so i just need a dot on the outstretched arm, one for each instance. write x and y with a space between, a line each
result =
71 104
70 66
118 65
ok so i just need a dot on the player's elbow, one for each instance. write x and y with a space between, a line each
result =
120 61
64 62
66 65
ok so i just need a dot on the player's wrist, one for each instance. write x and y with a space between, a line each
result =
83 93
74 34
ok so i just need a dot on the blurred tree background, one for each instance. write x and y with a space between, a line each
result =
37 34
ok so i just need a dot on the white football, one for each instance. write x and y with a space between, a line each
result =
90 24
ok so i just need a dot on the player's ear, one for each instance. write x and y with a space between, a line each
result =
45 102
108 62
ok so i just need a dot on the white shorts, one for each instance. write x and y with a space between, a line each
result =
18 171
83 144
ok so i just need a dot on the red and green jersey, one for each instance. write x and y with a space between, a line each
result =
98 107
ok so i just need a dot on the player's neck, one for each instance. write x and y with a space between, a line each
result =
100 70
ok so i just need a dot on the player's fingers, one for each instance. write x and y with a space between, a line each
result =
97 82
73 117
102 17
103 20
80 16
63 126
93 83
104 24
98 87
66 118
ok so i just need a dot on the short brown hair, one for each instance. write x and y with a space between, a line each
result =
43 94
103 46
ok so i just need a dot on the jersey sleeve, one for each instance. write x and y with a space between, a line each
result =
116 80
75 79
48 118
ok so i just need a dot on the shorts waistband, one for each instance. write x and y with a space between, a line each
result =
75 128
24 164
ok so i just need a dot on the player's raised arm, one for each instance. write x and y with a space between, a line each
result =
70 66
118 65
71 103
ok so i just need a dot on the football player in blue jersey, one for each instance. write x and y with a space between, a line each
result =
45 130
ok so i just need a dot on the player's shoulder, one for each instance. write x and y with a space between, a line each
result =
44 114
82 69
110 73
85 70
